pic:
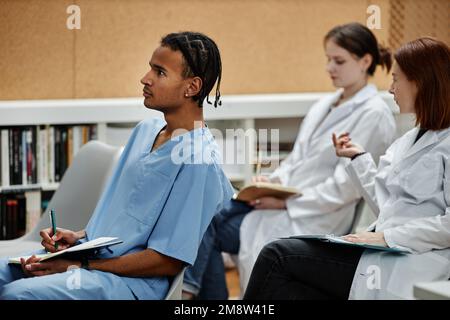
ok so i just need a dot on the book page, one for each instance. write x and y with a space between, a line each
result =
91 244
83 246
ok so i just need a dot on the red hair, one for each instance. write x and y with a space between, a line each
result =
426 62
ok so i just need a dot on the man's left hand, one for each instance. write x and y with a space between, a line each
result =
33 268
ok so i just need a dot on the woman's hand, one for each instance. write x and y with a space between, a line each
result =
375 238
65 239
260 179
33 268
268 203
344 147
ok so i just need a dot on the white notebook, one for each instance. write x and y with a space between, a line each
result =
339 240
86 246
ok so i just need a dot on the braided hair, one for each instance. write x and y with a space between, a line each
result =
201 59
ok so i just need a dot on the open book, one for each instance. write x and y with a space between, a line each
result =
265 189
339 240
79 250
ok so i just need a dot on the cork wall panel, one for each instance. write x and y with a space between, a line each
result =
36 50
266 46
415 18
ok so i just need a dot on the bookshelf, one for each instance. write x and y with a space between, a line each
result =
33 159
114 119
36 156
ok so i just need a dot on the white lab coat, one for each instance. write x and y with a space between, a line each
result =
410 193
329 198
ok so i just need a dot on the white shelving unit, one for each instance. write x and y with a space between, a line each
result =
245 108
117 110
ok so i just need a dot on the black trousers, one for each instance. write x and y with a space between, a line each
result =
298 269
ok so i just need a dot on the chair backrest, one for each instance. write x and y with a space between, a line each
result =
80 188
359 208
176 287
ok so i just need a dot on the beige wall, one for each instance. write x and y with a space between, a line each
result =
267 45
36 50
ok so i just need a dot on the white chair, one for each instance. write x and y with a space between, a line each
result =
175 289
76 198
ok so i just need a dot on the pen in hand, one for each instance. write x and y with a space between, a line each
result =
53 222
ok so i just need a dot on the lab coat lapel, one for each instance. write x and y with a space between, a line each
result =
337 114
428 138
315 118
404 144
409 148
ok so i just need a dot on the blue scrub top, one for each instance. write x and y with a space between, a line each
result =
162 200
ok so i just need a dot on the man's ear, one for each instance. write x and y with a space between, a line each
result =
194 87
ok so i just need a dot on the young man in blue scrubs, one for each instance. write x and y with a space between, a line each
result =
162 196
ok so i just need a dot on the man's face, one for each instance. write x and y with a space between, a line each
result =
164 86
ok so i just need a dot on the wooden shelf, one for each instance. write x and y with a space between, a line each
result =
28 187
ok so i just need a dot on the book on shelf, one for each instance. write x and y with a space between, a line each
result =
16 156
58 150
51 154
266 189
32 209
12 216
4 147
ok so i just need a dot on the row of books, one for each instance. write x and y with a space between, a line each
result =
39 154
19 213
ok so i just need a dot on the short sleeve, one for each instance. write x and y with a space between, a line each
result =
196 195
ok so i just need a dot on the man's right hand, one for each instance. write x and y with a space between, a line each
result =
65 239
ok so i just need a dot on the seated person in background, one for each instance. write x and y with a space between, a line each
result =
329 198
157 201
409 191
